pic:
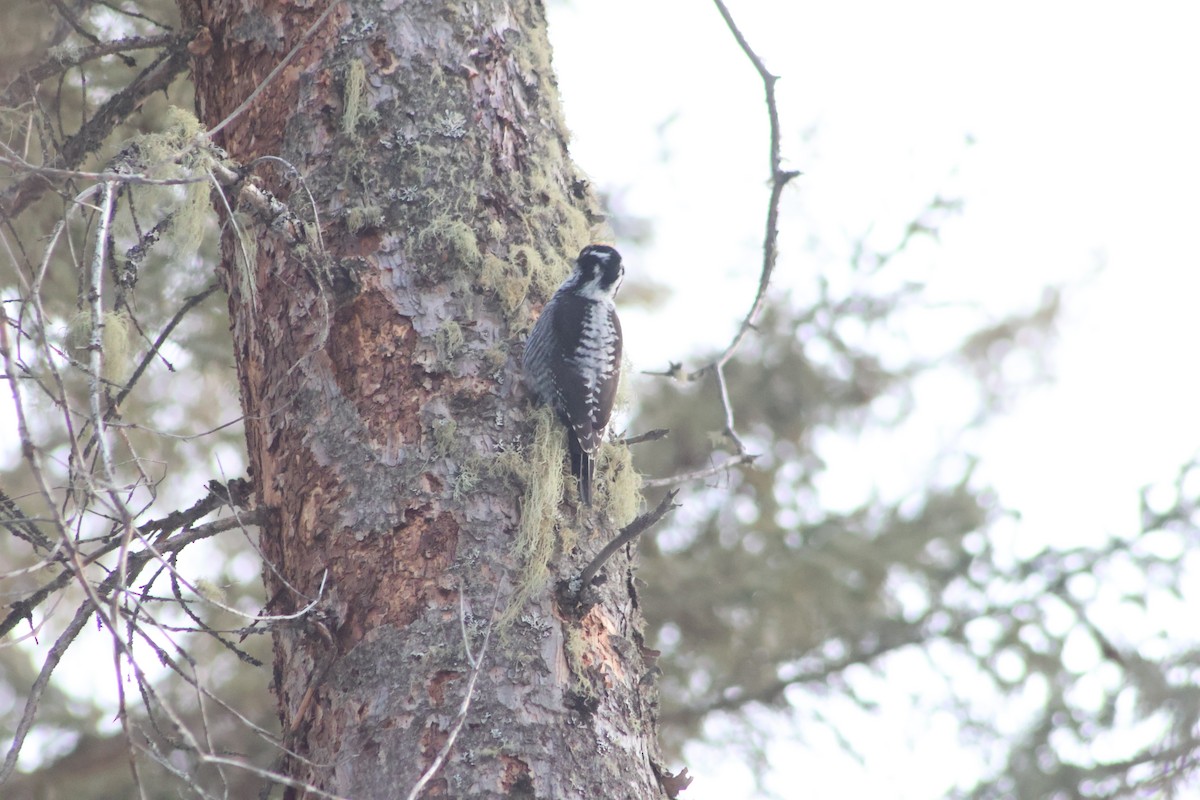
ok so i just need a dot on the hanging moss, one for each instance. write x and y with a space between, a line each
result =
505 280
456 240
448 340
535 543
178 151
116 340
622 485
361 218
356 108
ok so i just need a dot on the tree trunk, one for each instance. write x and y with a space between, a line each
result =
387 435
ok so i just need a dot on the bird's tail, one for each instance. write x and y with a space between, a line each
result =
583 467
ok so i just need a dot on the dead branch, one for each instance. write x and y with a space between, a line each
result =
779 179
648 436
265 82
770 251
18 164
169 64
39 687
630 532
188 304
218 496
28 79
476 662
699 474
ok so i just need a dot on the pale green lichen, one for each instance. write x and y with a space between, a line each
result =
496 355
465 482
544 277
246 260
116 339
622 485
178 152
211 591
361 218
455 239
445 437
575 647
448 340
355 103
536 540
506 281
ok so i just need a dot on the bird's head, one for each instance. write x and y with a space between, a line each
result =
598 272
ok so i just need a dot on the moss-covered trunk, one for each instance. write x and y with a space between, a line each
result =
386 430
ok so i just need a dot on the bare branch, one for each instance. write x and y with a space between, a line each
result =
92 135
24 84
265 82
188 304
28 451
23 609
627 535
35 170
779 179
770 250
74 22
39 687
274 777
699 474
20 525
648 436
91 605
476 662
96 340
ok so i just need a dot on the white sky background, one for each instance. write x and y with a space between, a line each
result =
1086 155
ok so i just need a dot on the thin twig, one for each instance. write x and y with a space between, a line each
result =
91 135
648 436
627 535
699 474
779 179
17 163
96 367
74 22
476 663
29 451
96 340
275 777
59 63
39 687
12 518
188 305
770 251
23 609
93 604
265 82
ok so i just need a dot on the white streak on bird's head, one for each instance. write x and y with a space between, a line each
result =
598 273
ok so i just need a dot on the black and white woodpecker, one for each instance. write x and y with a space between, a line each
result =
573 356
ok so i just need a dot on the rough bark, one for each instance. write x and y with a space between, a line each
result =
380 386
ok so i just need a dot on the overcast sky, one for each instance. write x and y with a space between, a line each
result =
1083 169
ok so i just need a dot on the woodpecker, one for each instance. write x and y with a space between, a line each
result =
573 357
